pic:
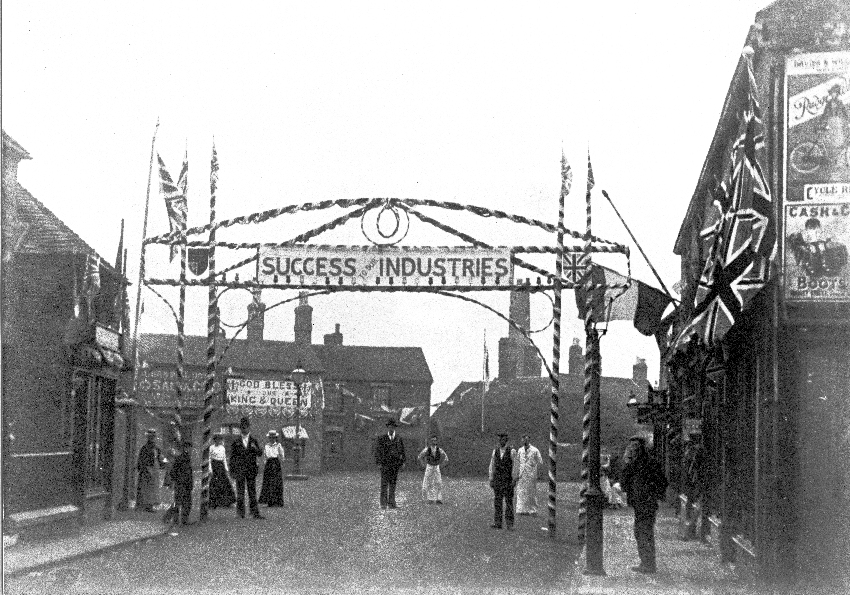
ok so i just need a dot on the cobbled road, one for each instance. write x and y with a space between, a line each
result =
333 537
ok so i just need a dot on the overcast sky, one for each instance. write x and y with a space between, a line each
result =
307 101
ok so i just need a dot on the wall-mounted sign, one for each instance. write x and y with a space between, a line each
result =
276 398
158 387
384 266
816 221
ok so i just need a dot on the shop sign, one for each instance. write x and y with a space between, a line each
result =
158 387
383 266
816 214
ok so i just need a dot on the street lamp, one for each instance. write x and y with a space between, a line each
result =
298 375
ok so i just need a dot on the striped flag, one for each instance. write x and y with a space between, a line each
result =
741 229
175 197
591 182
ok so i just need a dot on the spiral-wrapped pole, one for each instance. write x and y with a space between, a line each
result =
212 330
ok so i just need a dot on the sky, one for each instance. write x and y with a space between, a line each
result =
466 102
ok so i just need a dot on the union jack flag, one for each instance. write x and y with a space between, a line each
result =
741 228
175 196
574 267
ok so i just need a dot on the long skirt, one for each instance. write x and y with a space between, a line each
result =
147 489
432 483
221 491
271 493
526 494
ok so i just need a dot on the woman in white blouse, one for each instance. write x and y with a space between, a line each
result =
271 493
221 489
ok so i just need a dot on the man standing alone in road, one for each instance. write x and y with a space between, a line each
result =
644 482
243 468
504 473
390 456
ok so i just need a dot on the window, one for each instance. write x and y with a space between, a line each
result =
99 398
381 396
333 398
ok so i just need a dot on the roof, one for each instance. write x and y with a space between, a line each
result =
375 364
42 231
15 146
242 354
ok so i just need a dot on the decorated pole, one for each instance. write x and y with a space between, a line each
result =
566 182
212 330
591 492
182 185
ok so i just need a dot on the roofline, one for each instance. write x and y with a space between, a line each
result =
15 146
719 138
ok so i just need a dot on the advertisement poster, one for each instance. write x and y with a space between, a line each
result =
816 222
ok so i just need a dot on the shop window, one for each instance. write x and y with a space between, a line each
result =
98 398
381 396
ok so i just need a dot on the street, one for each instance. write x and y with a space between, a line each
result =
332 537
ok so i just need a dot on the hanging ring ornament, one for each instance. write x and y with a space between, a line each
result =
551 319
389 231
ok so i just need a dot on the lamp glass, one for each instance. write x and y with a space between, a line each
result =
298 375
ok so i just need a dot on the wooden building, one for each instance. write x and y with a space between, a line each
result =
763 414
62 362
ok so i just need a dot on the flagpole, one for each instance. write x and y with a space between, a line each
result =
652 268
484 381
131 411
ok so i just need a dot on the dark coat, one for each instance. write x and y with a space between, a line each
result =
644 482
149 455
389 454
243 461
181 472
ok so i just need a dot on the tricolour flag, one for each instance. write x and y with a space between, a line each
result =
175 197
640 303
741 229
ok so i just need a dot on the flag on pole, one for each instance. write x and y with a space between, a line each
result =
91 280
175 197
486 365
640 303
742 233
591 182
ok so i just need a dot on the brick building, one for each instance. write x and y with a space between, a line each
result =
62 365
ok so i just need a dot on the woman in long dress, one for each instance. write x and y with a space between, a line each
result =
221 488
271 492
528 459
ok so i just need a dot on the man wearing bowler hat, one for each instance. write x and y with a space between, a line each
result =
243 468
504 473
389 455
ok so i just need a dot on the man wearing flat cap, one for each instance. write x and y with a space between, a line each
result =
504 473
181 479
243 468
390 456
148 464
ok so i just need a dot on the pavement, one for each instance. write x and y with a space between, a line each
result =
684 567
38 555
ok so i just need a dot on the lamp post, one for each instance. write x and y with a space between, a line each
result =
298 375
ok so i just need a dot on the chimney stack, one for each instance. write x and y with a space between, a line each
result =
576 358
256 319
639 372
335 338
303 320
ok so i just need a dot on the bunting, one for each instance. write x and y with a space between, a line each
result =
740 227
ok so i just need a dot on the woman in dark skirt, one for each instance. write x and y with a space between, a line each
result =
221 490
271 493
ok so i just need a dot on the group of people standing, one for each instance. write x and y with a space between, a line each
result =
230 477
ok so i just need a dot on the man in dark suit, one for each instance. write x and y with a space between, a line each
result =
390 456
504 474
243 468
